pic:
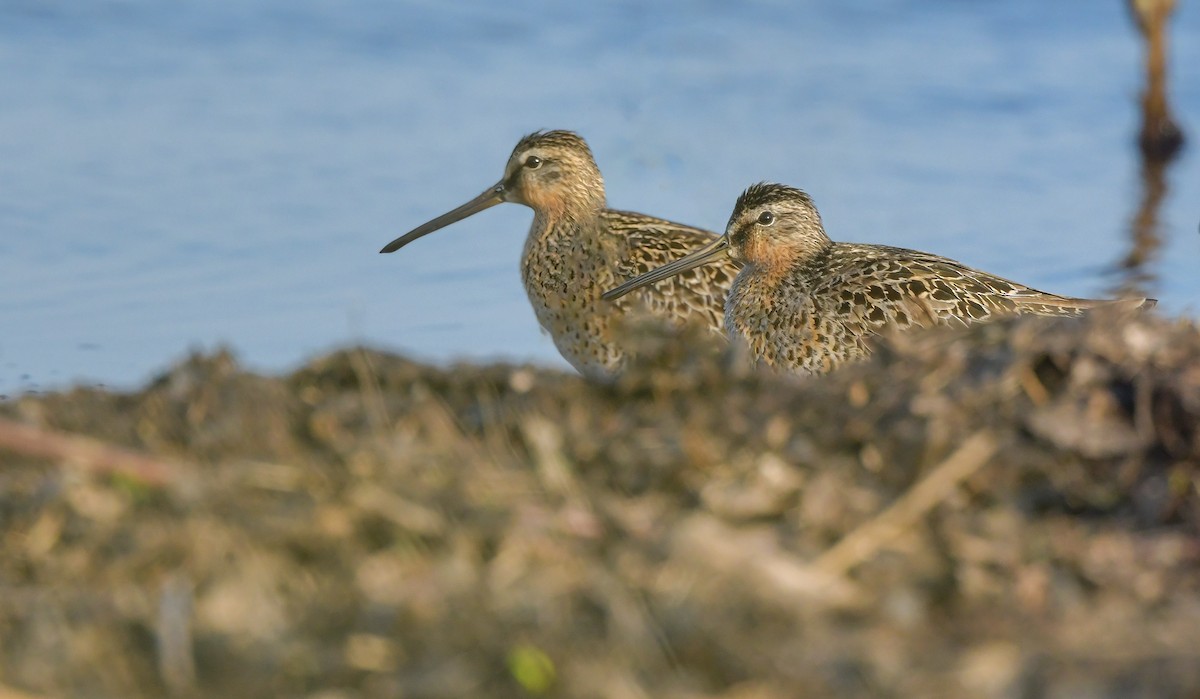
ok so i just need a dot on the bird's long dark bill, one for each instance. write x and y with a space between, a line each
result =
493 196
713 251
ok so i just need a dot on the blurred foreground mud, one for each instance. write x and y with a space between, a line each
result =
1009 511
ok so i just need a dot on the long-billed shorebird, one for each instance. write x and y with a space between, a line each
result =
577 247
805 303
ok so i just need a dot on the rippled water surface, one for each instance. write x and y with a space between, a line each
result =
187 174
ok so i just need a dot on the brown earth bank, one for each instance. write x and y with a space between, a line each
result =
1007 511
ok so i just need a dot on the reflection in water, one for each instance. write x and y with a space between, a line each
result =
1160 139
1138 277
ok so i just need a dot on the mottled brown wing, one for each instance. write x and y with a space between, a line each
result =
878 286
697 295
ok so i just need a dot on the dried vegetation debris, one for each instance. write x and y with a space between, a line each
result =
1008 511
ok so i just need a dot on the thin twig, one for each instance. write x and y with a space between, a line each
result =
87 452
865 541
173 635
545 442
372 396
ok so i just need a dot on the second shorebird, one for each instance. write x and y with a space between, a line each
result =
577 247
805 303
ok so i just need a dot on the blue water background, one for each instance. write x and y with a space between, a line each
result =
178 175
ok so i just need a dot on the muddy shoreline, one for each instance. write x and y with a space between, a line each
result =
1007 511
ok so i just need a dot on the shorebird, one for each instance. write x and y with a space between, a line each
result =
577 247
807 304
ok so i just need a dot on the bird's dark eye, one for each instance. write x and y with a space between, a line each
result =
533 162
766 218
